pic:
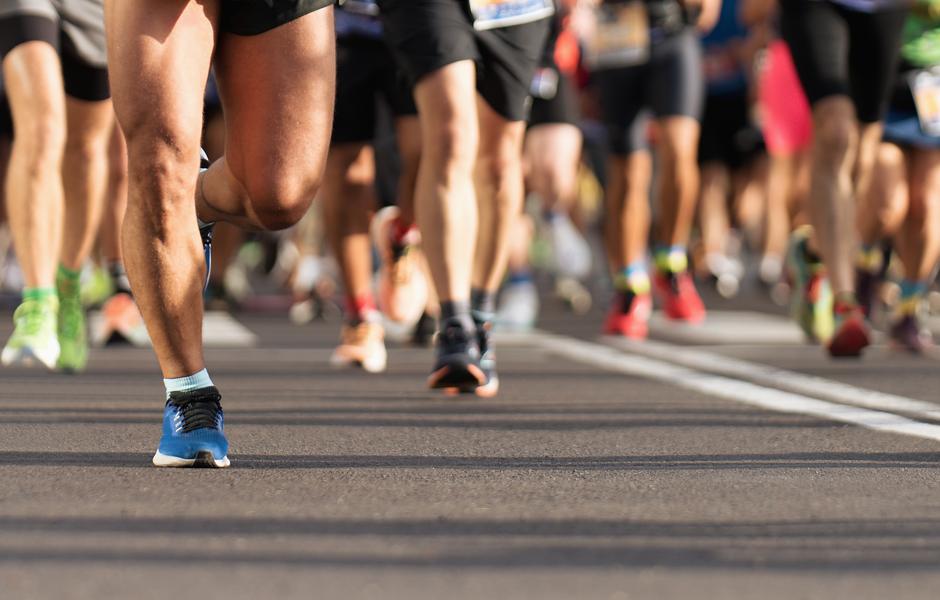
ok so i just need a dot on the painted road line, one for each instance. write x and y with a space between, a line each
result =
818 387
612 359
219 330
730 327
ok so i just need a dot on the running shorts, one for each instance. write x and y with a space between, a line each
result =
902 125
430 34
251 17
669 84
6 119
843 52
366 72
787 120
728 136
75 28
553 103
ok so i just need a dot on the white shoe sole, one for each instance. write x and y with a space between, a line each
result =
374 364
30 357
204 459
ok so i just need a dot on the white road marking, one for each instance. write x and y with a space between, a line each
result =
219 330
818 387
612 359
730 327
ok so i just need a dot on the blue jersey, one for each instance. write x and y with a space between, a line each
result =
724 73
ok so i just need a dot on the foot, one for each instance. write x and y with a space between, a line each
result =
907 334
121 323
629 315
811 297
193 431
680 299
34 340
518 306
851 335
363 346
490 386
402 287
457 366
72 331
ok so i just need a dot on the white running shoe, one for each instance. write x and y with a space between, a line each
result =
518 306
572 254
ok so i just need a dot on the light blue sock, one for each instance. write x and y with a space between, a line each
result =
188 383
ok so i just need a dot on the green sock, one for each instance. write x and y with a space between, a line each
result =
38 293
67 281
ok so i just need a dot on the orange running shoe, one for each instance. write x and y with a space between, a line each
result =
680 299
402 285
361 345
120 322
629 315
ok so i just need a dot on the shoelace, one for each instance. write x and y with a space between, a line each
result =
198 409
30 317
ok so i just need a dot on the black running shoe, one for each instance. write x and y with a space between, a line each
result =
487 359
457 368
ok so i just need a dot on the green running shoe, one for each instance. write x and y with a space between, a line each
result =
73 333
34 339
811 303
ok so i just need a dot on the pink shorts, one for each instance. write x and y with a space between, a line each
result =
787 120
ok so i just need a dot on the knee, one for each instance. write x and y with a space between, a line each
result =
452 146
498 164
836 138
42 142
87 149
162 170
281 200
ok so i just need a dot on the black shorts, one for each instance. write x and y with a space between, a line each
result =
842 52
430 34
366 73
728 135
83 80
669 84
554 99
6 119
251 17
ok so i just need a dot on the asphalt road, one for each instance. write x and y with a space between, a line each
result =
601 471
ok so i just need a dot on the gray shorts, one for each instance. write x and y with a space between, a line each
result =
81 23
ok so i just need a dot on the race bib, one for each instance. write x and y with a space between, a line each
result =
925 87
622 38
491 14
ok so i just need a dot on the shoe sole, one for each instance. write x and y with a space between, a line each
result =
203 460
462 379
373 365
27 357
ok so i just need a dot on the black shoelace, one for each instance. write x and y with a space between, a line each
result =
198 409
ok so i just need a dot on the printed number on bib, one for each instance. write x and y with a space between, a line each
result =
622 38
490 14
925 87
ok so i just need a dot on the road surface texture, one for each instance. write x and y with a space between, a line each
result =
724 461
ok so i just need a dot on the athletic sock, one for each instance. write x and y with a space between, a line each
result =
912 294
844 303
520 277
870 258
633 278
672 259
482 305
39 293
458 310
196 381
360 308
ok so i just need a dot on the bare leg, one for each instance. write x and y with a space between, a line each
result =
445 204
552 155
628 209
109 236
918 241
85 176
713 208
831 195
885 204
33 78
408 134
777 216
500 192
348 200
679 179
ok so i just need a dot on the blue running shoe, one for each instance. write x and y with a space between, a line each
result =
205 229
193 431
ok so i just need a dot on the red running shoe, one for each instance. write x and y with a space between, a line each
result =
629 315
851 334
680 299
